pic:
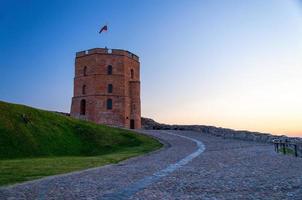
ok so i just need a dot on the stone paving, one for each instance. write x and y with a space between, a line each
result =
226 169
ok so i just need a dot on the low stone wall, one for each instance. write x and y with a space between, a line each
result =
225 133
62 113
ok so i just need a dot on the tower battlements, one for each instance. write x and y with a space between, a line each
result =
116 52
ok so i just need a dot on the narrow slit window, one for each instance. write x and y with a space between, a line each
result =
110 88
85 71
109 69
109 104
83 107
84 89
132 73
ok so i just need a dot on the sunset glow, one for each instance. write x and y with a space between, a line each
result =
233 64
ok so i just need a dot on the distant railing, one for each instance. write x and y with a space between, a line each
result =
286 147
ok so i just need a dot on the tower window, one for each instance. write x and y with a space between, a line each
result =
83 107
84 89
110 88
109 69
85 71
109 104
132 73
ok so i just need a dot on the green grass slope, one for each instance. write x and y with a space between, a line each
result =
36 143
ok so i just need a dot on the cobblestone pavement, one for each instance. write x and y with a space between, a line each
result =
226 169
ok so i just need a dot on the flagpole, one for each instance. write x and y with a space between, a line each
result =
106 35
103 30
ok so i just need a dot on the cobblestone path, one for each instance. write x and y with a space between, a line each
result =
184 169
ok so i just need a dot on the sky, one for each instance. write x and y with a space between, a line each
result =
228 63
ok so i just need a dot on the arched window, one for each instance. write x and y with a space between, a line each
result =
132 73
83 107
85 71
84 89
109 70
110 88
109 104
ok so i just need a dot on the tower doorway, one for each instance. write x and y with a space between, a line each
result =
132 124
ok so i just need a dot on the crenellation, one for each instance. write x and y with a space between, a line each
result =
98 50
80 53
108 51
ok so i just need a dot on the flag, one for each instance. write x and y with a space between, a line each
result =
104 28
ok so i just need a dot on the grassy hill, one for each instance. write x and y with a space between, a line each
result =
36 143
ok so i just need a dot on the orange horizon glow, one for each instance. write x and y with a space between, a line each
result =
265 128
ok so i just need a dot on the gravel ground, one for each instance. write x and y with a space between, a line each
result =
226 169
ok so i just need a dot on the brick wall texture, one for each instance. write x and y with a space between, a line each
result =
107 87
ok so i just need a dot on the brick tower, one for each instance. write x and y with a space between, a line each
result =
107 87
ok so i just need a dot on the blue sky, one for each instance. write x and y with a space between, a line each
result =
228 63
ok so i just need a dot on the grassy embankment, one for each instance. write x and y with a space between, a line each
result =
36 143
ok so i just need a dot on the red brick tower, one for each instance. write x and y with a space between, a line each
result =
107 87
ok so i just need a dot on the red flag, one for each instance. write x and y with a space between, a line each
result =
104 28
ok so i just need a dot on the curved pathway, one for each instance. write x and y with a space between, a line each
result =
191 166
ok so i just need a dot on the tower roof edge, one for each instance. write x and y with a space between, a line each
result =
107 51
